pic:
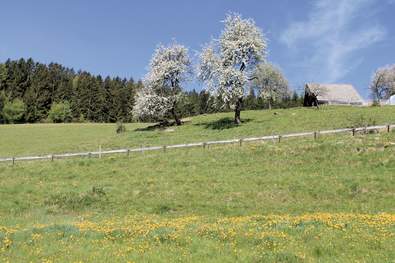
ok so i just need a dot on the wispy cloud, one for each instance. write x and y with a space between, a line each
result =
331 35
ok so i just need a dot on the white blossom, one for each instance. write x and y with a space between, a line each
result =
241 42
226 63
382 85
270 82
170 67
149 105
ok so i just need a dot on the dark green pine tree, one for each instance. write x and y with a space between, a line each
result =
108 105
204 98
81 98
88 97
38 96
296 101
98 100
61 81
3 76
250 102
129 95
3 100
189 106
18 77
114 94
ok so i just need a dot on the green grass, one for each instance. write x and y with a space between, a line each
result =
329 200
29 139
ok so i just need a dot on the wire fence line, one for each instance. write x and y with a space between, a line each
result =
128 151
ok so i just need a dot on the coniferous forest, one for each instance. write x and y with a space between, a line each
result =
32 92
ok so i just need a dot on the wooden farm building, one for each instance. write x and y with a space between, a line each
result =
341 94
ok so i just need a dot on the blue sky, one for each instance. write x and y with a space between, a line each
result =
313 40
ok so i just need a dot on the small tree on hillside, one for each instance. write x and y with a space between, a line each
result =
227 63
270 82
60 112
13 112
169 68
383 83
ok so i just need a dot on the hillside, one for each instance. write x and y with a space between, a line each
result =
30 139
263 202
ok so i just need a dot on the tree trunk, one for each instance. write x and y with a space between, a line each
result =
270 104
176 119
239 103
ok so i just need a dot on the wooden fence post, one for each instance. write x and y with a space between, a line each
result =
89 155
353 131
315 135
13 160
52 158
128 152
279 138
241 142
388 128
204 145
164 148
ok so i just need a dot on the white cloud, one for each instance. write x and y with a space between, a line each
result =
331 35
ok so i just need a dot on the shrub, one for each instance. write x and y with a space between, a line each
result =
60 112
13 112
77 201
2 102
120 127
375 103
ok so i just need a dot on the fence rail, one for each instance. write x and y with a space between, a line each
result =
240 141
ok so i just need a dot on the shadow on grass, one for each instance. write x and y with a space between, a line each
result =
222 124
159 126
151 128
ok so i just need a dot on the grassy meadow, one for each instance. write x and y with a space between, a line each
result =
32 139
301 200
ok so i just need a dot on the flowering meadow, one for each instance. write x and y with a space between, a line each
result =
277 238
301 200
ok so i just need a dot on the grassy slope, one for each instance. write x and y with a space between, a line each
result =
196 205
50 138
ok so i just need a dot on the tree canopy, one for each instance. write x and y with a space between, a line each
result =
169 69
270 83
39 86
226 64
382 85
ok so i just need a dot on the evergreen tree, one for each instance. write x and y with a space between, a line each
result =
40 86
250 102
38 95
3 100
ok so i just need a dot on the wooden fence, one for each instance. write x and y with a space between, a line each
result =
128 151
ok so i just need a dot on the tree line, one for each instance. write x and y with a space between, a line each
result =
35 92
31 92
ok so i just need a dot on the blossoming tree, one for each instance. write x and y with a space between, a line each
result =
226 64
270 82
169 68
383 83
